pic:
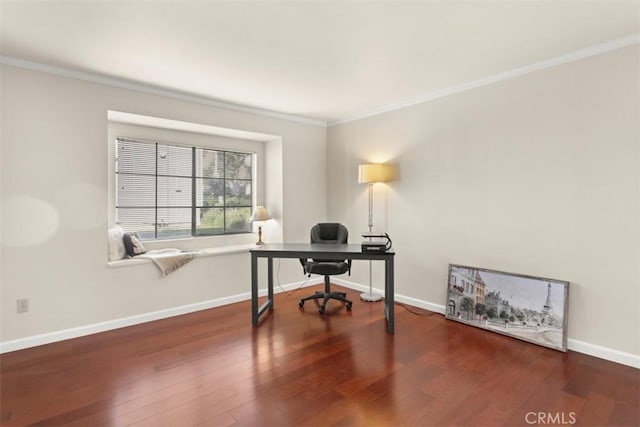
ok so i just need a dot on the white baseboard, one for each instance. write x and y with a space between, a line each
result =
94 328
612 355
437 308
617 356
606 353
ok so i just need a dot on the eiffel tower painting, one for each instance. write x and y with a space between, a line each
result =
509 304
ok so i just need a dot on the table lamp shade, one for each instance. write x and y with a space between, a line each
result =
374 172
260 214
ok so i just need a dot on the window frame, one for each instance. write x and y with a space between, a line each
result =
194 207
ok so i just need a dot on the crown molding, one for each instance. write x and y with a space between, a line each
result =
154 90
506 75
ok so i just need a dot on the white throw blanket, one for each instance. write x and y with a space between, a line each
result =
169 260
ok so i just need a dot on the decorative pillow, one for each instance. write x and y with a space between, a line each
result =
116 245
133 245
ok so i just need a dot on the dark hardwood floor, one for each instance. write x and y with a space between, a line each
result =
298 368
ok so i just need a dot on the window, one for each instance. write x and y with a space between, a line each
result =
168 191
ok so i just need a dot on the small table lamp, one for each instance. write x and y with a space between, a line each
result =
260 215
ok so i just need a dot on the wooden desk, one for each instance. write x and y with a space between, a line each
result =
318 251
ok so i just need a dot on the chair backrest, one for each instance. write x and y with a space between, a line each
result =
329 232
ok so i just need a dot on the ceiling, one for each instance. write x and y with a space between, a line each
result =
328 61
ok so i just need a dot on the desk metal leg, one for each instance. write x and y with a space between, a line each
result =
254 290
256 311
389 294
270 272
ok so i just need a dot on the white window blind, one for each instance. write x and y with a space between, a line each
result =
168 191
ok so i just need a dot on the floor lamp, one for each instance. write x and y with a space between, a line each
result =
370 174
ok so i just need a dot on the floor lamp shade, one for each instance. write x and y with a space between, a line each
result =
375 172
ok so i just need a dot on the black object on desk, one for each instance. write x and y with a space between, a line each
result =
327 251
377 242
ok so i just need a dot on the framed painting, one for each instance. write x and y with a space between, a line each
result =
529 308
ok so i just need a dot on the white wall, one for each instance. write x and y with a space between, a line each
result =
536 175
54 159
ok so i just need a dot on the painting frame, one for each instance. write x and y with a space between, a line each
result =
510 304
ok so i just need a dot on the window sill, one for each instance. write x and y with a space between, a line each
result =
206 252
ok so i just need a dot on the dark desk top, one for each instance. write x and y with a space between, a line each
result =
303 250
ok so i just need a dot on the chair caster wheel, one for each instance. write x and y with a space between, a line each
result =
349 307
301 304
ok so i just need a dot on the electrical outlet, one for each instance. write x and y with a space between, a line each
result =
22 305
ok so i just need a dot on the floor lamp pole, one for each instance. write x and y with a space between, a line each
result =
370 296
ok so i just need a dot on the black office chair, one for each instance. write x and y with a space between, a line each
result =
327 233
